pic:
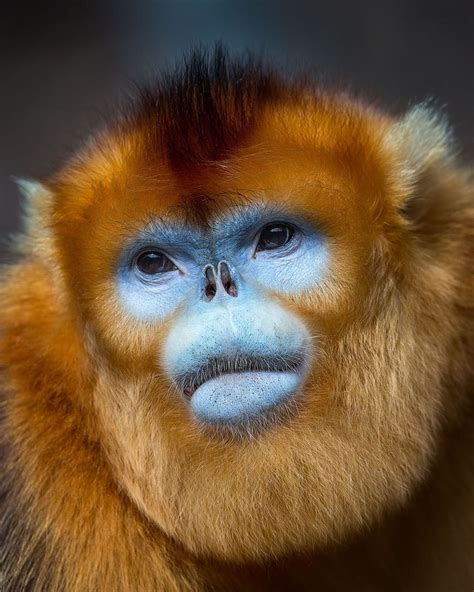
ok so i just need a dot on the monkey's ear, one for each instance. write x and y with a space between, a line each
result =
36 207
420 142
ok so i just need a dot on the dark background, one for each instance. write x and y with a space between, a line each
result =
63 64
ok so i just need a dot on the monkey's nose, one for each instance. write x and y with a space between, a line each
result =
216 281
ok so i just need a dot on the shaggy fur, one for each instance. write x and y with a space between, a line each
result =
108 483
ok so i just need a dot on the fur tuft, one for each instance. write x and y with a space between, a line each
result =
201 112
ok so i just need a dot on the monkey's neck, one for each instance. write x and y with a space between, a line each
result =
65 525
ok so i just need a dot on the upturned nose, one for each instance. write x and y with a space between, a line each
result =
218 281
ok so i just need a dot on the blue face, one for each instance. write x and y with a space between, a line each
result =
233 351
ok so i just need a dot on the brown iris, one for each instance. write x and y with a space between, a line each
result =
274 236
153 262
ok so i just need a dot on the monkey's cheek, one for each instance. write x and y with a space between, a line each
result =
239 397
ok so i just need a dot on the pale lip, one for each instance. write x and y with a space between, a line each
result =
234 397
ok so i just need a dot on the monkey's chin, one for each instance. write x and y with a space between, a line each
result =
240 397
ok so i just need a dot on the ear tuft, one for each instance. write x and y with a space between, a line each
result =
35 214
29 187
418 141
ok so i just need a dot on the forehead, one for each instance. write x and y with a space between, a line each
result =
320 158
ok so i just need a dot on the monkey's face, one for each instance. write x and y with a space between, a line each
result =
232 350
255 381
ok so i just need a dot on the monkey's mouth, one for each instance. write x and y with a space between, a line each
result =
216 367
243 389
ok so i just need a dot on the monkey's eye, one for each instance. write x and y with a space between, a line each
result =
274 236
154 262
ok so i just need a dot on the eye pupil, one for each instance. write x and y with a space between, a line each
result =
153 262
274 236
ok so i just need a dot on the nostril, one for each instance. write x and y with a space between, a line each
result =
211 282
226 279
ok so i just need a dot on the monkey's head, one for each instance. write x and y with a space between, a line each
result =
265 294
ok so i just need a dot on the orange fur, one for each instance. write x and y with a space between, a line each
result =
110 485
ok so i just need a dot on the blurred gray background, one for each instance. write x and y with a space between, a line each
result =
63 64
